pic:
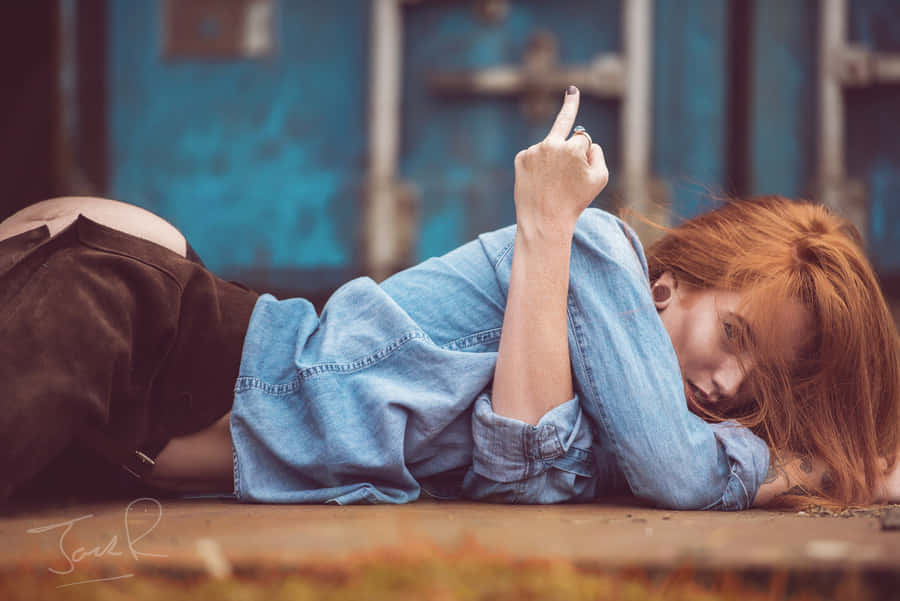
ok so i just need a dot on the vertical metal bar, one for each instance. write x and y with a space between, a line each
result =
741 31
92 143
70 138
845 196
67 134
381 235
832 34
636 118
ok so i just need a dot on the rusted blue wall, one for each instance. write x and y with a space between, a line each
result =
690 42
259 162
783 97
873 132
459 149
784 113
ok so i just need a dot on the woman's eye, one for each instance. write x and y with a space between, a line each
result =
730 330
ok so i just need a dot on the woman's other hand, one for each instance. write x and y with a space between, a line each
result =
888 490
557 178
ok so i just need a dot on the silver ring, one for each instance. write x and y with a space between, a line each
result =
579 130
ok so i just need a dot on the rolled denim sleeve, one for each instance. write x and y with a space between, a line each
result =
517 462
748 458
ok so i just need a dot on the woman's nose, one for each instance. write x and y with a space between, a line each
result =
727 378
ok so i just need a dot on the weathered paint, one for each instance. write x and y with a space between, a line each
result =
689 101
783 113
459 150
783 98
259 162
873 132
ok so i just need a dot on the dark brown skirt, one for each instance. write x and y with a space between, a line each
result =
107 341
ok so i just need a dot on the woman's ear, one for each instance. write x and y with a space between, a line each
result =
662 290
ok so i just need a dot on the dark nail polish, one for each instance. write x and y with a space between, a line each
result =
571 90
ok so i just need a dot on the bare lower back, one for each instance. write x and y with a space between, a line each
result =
57 213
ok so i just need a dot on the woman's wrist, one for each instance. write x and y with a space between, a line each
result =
545 256
544 235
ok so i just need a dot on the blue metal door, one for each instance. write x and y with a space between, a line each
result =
787 138
263 162
873 130
259 161
458 146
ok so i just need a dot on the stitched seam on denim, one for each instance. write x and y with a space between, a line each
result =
720 502
236 468
519 490
582 455
641 264
572 461
472 339
723 500
740 480
360 364
549 446
579 416
528 449
244 383
501 254
485 455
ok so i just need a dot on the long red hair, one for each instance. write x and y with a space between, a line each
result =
840 399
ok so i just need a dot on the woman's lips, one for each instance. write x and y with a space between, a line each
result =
696 398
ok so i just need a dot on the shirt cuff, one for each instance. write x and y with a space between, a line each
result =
508 449
748 456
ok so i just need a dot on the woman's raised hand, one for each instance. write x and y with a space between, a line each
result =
557 178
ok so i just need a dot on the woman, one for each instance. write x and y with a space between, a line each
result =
412 385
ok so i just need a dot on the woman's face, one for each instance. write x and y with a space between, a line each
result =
703 323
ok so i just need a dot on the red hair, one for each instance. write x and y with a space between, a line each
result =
839 400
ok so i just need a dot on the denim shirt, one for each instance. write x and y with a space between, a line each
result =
387 393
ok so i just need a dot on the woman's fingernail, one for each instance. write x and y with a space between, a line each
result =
571 90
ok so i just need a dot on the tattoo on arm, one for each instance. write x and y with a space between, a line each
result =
806 466
827 481
776 468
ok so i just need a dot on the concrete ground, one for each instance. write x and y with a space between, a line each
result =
65 545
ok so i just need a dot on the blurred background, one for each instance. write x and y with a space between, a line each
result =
299 143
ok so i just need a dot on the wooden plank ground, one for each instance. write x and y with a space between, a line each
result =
160 538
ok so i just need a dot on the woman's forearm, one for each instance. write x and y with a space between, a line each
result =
793 474
789 474
533 372
556 179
